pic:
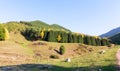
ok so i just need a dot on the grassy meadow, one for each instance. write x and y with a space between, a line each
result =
82 59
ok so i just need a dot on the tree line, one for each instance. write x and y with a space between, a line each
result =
64 37
57 36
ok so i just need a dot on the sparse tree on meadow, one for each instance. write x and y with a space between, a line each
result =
62 50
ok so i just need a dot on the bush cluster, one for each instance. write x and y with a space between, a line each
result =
62 50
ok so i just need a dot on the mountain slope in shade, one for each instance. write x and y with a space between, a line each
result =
111 33
115 39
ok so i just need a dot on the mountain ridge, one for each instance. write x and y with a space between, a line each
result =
111 32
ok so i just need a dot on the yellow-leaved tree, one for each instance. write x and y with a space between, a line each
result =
6 34
59 38
96 37
42 34
82 35
49 29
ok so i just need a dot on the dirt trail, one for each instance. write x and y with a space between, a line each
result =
118 60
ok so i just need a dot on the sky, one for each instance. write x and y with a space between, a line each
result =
92 17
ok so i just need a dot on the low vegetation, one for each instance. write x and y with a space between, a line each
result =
54 56
62 50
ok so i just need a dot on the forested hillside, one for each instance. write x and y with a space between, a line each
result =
38 30
40 25
115 39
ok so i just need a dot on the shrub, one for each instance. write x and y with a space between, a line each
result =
54 56
62 50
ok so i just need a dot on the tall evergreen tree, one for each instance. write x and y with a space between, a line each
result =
45 35
93 41
88 40
98 41
51 36
64 37
74 36
85 39
80 38
104 42
70 38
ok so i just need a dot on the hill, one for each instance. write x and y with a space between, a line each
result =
42 25
38 25
19 54
54 26
38 30
111 33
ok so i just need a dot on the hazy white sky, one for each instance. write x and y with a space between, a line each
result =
93 17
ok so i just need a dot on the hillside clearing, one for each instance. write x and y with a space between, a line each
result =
83 57
86 61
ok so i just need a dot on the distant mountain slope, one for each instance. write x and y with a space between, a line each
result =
40 24
115 39
111 33
59 27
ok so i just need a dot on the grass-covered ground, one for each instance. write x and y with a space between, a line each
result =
19 54
90 61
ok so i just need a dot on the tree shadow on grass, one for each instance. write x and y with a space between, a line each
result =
45 67
57 51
